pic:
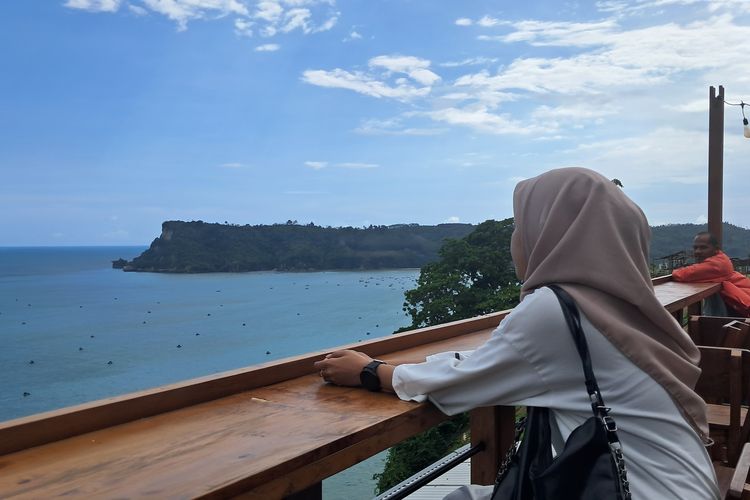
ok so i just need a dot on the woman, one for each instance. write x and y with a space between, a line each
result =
575 228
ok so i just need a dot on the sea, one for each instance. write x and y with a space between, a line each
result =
72 329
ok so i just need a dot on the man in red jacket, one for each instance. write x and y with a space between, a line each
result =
713 266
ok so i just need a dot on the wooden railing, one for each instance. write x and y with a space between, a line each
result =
268 431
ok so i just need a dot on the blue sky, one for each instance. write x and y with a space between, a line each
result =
116 115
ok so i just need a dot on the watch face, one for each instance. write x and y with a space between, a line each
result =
369 376
370 380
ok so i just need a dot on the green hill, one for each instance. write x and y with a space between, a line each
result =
672 238
198 247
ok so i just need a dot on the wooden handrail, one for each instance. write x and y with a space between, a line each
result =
210 436
54 425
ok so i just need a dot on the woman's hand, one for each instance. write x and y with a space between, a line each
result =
343 367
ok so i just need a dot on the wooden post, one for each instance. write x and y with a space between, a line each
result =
694 309
495 427
715 161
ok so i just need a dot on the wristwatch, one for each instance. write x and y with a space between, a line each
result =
369 375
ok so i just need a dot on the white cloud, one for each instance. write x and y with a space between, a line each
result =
399 64
182 11
296 19
233 165
137 10
376 85
647 54
622 7
316 165
453 220
354 35
607 68
268 47
567 34
488 22
414 67
575 111
357 165
471 61
695 106
664 156
269 17
395 126
269 10
94 5
481 119
243 27
327 25
701 219
362 83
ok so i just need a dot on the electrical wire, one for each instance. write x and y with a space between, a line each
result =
742 105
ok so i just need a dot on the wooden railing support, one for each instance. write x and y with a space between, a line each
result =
694 309
495 427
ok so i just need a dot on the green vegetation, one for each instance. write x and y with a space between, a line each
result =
200 247
672 238
473 276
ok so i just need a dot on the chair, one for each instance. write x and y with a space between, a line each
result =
723 384
720 331
739 487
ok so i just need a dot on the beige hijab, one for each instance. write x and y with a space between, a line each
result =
579 230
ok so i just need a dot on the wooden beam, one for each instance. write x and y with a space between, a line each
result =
715 161
494 426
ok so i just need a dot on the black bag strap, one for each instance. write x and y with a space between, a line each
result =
573 319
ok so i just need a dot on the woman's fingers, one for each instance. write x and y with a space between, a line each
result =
342 367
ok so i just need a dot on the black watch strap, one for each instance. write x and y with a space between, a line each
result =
369 375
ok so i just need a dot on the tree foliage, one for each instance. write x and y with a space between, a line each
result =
473 276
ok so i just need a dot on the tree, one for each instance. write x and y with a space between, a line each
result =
474 276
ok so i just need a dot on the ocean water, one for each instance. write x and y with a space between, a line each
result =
72 329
